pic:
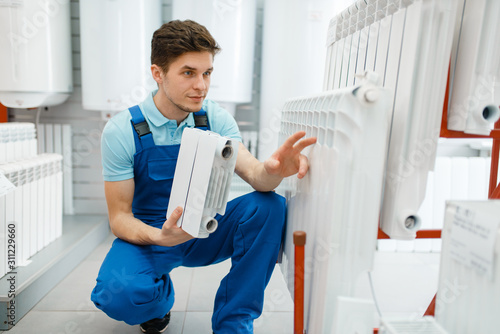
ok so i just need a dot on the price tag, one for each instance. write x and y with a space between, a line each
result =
472 241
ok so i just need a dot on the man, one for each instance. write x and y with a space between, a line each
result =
139 153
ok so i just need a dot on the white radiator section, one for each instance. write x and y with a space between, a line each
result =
408 43
57 138
453 178
468 297
17 141
338 201
475 68
202 180
34 206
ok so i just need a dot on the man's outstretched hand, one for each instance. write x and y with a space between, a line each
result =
288 159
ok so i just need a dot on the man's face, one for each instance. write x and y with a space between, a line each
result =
187 81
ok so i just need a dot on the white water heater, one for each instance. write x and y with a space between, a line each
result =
116 51
232 24
35 53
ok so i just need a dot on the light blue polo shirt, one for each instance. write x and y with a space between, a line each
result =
117 142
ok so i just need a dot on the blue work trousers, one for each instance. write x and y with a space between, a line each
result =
133 284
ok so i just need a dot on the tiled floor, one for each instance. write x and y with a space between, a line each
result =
404 284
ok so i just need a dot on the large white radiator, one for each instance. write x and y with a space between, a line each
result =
408 43
475 68
468 297
57 138
338 201
34 206
453 178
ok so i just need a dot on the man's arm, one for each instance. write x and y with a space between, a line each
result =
286 161
119 197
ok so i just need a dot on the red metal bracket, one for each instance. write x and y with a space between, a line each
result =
432 307
494 190
299 240
3 113
421 234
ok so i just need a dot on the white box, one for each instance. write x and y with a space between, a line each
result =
468 297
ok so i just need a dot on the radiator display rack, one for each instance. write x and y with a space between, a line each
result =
494 185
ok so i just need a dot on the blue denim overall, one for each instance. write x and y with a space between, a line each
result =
133 283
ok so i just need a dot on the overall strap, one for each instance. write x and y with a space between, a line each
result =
142 135
201 120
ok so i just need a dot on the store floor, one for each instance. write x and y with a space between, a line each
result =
404 285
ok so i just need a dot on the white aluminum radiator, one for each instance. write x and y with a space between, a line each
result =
408 43
453 178
202 180
475 68
57 138
338 202
34 206
17 141
468 297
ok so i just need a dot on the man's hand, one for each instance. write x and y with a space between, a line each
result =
171 234
288 159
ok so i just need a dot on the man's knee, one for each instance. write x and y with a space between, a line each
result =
267 201
128 298
269 205
269 210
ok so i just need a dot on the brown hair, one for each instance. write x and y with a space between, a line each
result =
175 38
